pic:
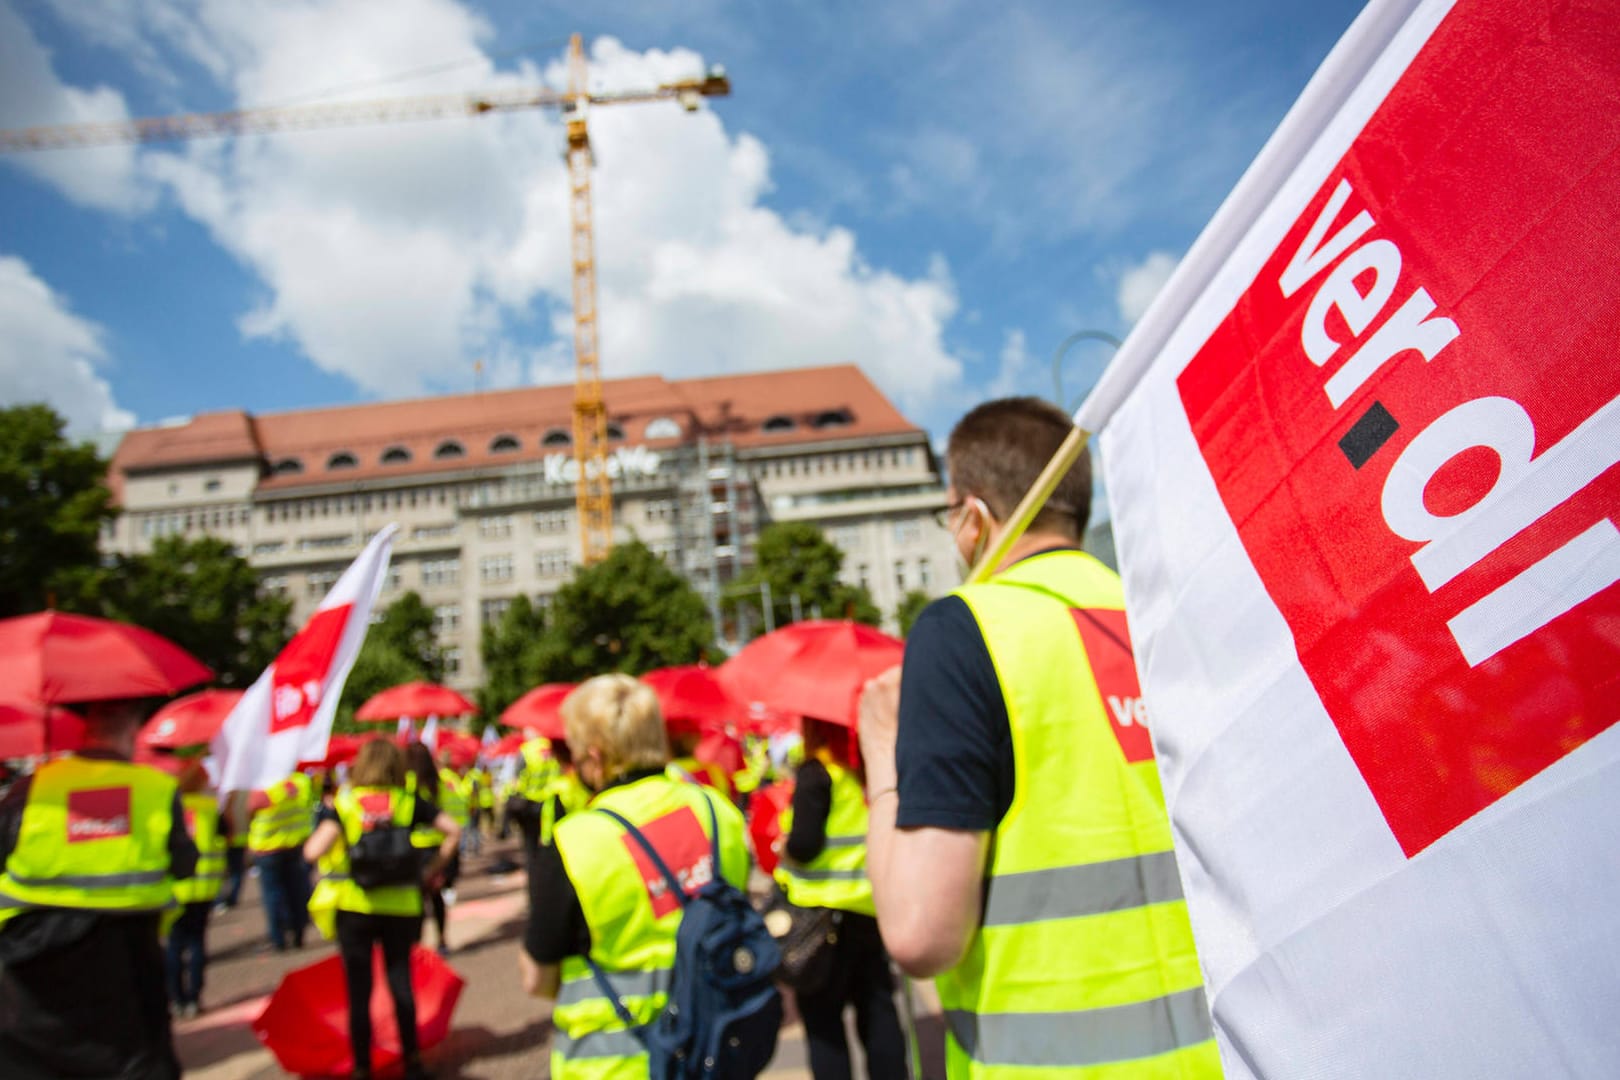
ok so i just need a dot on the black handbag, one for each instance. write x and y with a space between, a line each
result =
806 936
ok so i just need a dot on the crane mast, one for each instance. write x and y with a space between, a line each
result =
593 494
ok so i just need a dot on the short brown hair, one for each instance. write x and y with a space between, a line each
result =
379 764
998 449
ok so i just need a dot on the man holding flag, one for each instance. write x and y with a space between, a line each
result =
1018 845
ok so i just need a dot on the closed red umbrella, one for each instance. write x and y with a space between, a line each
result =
305 1024
693 699
539 711
814 668
29 728
189 720
61 659
414 699
764 822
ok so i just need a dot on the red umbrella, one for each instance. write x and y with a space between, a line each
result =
342 748
539 710
189 720
305 1024
692 698
69 658
761 719
24 730
814 668
414 699
764 822
508 744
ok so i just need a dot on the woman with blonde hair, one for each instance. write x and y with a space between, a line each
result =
591 901
370 892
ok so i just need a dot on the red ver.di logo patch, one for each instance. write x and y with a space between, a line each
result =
684 847
97 814
1108 648
301 671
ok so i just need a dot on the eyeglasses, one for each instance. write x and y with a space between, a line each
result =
943 515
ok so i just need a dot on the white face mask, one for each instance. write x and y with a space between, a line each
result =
969 504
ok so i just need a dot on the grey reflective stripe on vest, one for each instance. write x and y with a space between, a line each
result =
1066 892
93 881
824 875
1086 1037
333 877
846 841
625 983
598 1044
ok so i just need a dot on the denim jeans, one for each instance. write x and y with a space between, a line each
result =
235 867
284 882
187 954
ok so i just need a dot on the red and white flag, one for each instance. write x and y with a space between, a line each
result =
430 733
286 715
1361 453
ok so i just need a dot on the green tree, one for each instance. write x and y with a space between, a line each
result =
911 605
630 612
204 597
509 650
400 647
53 501
795 559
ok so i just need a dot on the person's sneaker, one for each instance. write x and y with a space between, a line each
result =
449 897
189 1010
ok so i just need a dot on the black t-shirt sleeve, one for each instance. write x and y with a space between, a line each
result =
424 814
812 803
557 926
182 850
327 812
954 749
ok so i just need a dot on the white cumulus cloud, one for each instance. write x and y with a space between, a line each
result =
1139 284
49 354
397 254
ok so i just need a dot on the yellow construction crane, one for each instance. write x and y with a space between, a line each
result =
593 493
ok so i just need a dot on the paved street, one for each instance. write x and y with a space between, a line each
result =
499 1034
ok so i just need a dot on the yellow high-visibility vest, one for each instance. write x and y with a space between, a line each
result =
288 820
94 835
836 877
1084 964
632 919
334 889
202 822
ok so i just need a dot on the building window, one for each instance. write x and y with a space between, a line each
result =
662 427
907 533
437 572
495 527
864 574
211 484
452 660
396 455
493 609
556 437
433 532
925 575
551 521
832 418
615 432
446 619
319 583
777 424
342 460
391 582
505 444
495 568
900 575
273 584
659 509
450 448
553 564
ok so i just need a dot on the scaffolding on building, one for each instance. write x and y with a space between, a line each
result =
716 525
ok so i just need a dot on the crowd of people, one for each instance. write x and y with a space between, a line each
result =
981 824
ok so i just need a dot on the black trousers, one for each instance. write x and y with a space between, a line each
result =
357 934
860 977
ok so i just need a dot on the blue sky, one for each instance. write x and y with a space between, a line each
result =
940 192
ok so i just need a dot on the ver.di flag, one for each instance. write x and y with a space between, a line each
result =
286 716
1361 453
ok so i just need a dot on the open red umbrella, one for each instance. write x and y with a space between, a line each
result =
62 659
29 728
693 699
189 720
508 744
341 749
539 711
414 699
305 1024
814 668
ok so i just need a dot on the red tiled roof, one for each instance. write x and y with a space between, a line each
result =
729 406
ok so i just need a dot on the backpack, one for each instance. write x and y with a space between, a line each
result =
384 855
724 1010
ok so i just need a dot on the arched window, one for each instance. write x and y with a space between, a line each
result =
557 437
776 424
449 449
615 432
662 427
287 467
505 444
342 460
832 418
395 455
